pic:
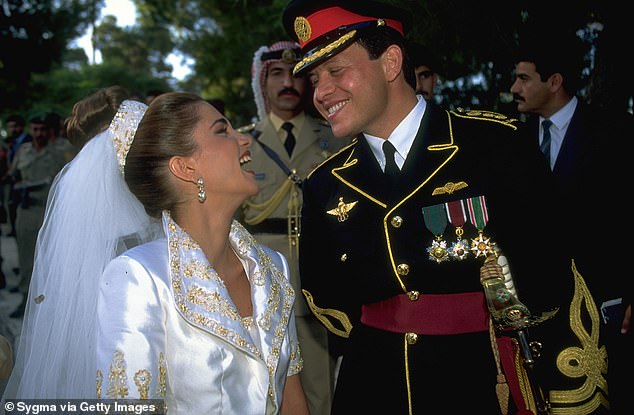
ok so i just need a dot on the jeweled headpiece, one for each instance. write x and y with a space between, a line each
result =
123 127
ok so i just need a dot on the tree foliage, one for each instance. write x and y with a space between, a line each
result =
474 42
34 35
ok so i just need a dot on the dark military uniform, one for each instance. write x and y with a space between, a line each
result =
414 330
272 216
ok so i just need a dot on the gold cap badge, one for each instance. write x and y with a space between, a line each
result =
302 28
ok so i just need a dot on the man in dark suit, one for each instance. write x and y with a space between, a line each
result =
399 228
582 145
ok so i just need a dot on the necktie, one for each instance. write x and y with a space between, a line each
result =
289 143
545 145
391 169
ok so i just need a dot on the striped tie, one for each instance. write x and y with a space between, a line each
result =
545 145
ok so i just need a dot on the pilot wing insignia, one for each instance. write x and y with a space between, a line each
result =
449 188
342 209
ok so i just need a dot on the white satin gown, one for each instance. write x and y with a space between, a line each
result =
167 328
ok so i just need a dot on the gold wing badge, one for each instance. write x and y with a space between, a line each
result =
342 209
449 188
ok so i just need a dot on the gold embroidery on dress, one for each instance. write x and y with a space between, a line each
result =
117 379
212 301
588 361
192 300
296 356
161 387
142 379
99 383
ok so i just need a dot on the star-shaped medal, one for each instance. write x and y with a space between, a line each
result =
438 251
459 250
482 246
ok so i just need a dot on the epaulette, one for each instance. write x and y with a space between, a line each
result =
246 128
484 115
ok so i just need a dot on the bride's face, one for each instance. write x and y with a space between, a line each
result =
221 155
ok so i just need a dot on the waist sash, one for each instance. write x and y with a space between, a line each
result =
432 314
445 314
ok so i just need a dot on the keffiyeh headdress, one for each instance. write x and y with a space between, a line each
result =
284 50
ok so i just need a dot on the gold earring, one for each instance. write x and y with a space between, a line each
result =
202 196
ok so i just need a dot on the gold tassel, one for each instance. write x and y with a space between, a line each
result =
502 391
501 388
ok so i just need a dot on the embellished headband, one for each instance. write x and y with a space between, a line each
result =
123 127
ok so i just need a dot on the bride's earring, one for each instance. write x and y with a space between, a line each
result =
202 196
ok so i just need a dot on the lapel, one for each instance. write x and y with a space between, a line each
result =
203 300
573 146
431 149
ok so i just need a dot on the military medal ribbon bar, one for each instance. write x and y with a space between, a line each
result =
457 216
436 221
479 216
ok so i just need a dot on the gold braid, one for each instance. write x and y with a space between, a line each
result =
269 206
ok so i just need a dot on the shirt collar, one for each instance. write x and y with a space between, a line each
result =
562 118
403 135
298 121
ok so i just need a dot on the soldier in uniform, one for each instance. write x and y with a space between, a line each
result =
289 143
32 170
404 230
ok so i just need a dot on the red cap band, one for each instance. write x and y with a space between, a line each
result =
327 20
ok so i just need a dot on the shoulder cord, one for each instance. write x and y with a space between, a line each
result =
292 174
267 207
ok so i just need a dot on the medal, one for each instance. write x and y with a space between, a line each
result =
436 221
479 216
458 217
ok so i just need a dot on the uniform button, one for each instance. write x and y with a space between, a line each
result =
413 295
402 269
397 221
344 257
411 338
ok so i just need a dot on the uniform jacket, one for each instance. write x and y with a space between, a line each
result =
169 330
379 250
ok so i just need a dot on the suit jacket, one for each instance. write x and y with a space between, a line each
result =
587 169
378 249
589 172
168 328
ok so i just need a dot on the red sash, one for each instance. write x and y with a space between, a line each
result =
434 314
444 314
